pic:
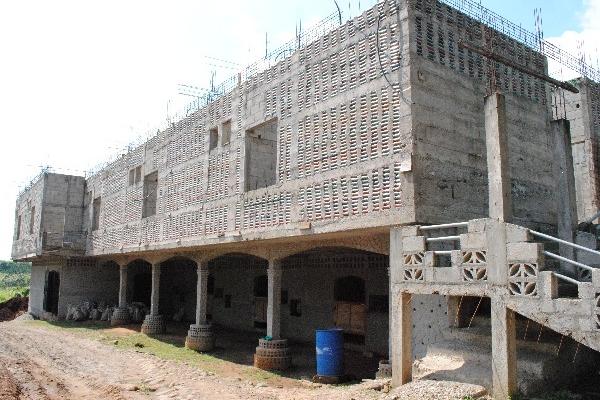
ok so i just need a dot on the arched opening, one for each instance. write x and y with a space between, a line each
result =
261 293
178 281
51 292
338 286
139 277
234 302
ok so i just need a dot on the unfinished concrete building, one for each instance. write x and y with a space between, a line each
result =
306 196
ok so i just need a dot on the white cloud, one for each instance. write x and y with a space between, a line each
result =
586 41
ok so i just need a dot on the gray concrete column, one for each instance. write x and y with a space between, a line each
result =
504 350
402 337
202 293
274 300
123 286
390 315
155 289
496 142
565 190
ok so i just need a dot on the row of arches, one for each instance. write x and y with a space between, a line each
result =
321 287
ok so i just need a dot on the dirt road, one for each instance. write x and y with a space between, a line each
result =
37 363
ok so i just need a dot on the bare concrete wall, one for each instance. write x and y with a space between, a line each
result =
448 89
36 289
84 280
342 147
57 201
582 110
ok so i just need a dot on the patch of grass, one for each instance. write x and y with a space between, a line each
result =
256 374
8 293
164 347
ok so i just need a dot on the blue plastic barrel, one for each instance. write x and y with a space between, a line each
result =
330 352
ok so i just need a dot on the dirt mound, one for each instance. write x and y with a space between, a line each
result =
12 308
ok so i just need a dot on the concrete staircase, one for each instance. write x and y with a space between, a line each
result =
465 355
513 267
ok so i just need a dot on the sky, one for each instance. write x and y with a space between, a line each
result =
80 80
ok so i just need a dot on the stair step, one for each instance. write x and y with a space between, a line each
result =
465 355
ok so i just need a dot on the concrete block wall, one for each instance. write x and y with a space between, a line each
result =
85 280
448 89
81 279
26 241
341 151
582 110
36 289
57 201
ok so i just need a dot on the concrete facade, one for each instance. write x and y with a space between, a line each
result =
300 176
582 110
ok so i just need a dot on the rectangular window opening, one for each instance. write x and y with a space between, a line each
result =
295 310
96 213
150 194
261 155
32 220
18 227
135 175
226 133
213 138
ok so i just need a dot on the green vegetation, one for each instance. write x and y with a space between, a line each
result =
14 279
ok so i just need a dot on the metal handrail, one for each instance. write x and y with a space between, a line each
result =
442 239
566 278
561 258
444 226
591 219
555 239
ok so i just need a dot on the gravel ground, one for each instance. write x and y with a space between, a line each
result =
38 363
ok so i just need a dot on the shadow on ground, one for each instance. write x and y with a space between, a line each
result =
238 347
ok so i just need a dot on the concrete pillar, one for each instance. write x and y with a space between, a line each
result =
496 142
121 315
202 294
504 350
565 190
200 337
402 346
385 366
155 289
273 352
274 300
123 286
154 323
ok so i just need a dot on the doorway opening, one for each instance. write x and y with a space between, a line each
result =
261 289
350 310
51 292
